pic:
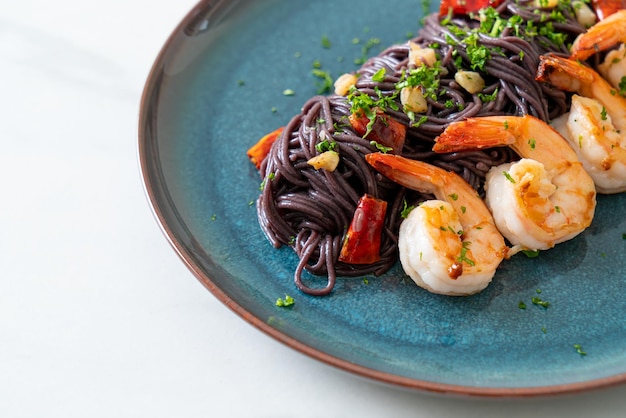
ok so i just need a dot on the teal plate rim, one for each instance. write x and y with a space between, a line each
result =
388 331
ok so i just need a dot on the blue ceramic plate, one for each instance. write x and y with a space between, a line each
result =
218 86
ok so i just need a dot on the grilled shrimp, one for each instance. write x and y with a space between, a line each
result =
595 127
613 68
601 36
450 245
545 198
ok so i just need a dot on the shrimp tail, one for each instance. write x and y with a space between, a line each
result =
563 73
413 174
475 133
600 37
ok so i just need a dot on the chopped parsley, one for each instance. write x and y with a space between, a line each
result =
362 103
521 305
603 113
486 98
269 177
622 86
326 42
463 257
478 54
540 302
326 84
289 92
531 253
579 350
379 76
419 123
508 177
406 209
325 145
423 76
286 302
547 30
380 147
365 49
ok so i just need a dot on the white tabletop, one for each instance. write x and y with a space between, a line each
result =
98 315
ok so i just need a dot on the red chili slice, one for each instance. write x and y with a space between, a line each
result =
465 6
259 151
605 8
385 130
362 242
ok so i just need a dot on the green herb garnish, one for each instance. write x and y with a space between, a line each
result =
622 86
326 85
379 76
361 103
603 113
463 256
508 177
286 302
325 145
540 302
531 253
579 349
423 76
406 209
326 42
381 147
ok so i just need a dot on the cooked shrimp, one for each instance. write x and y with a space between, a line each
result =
601 36
613 68
450 245
596 124
543 199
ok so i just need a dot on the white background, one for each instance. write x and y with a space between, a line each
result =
98 316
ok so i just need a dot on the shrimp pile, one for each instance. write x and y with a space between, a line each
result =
545 198
595 126
539 201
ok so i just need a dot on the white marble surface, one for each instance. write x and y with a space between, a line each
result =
98 316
